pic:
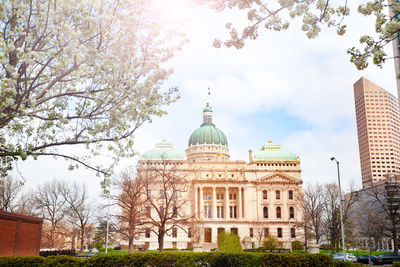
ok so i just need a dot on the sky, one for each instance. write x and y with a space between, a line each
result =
282 87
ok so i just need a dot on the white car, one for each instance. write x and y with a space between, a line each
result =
349 257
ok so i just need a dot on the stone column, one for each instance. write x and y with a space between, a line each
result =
226 202
201 203
243 203
214 203
239 208
196 215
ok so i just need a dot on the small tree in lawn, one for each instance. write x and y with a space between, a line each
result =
271 243
165 193
80 210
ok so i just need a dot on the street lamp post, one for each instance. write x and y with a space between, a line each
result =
341 208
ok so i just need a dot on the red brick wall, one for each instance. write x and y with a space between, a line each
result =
7 237
19 235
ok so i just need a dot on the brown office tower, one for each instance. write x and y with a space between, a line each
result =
378 127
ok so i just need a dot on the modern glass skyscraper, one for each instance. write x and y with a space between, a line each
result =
378 127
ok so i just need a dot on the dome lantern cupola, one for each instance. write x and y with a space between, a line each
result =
207 115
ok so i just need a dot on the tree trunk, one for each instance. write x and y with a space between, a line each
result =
394 237
370 251
161 240
130 246
82 241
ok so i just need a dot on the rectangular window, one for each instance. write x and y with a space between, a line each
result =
207 235
251 232
293 232
174 232
220 212
279 232
266 232
162 193
232 212
189 233
148 212
290 194
173 244
207 211
265 194
147 233
278 194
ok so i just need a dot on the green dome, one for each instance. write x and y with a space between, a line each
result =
207 133
163 151
273 152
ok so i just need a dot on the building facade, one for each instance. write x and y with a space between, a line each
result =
378 122
252 199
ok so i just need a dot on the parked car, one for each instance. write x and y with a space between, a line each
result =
340 257
389 258
365 259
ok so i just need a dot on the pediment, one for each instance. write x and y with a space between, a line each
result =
278 178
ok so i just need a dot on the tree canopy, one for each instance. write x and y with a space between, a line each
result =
278 15
81 72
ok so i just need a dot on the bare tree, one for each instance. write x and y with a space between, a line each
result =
313 203
332 213
26 204
369 218
79 209
165 192
259 233
387 197
9 196
130 200
53 207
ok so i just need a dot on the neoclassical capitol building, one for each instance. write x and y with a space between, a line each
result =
252 199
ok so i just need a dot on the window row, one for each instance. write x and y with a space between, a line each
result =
220 212
278 212
266 233
163 194
277 194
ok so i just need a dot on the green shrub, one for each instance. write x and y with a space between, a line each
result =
271 243
16 261
177 259
229 243
297 245
396 264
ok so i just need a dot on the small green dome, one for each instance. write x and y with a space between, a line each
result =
163 151
207 133
273 152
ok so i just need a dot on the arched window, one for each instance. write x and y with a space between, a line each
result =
278 212
265 211
291 212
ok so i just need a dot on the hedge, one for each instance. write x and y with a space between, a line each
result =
176 259
396 264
